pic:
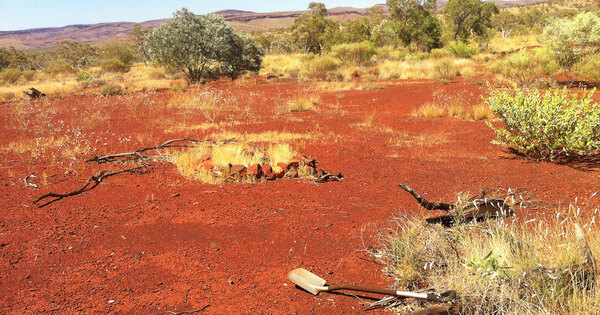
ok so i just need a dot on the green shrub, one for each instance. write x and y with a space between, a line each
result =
546 126
462 50
321 66
115 65
29 75
10 75
354 53
83 76
525 67
112 89
571 40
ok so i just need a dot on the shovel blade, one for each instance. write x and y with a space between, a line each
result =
307 280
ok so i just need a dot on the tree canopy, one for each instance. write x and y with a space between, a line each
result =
466 18
204 47
313 30
415 22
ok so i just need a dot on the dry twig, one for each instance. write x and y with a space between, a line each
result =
137 154
91 183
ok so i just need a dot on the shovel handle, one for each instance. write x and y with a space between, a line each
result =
336 287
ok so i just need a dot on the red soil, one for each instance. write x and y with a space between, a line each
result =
158 242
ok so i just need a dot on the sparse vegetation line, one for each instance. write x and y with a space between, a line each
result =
137 153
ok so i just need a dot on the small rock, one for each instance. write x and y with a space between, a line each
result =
283 166
280 174
237 171
267 170
254 171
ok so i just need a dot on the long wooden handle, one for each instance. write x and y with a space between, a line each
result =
336 287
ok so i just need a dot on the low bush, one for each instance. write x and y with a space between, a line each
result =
112 89
590 69
29 75
83 76
10 75
354 53
115 65
62 68
445 69
525 67
321 66
439 53
462 50
546 126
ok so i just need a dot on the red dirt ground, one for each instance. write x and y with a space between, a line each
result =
158 242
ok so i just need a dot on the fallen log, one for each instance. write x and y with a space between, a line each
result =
477 209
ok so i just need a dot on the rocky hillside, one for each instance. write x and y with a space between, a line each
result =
241 20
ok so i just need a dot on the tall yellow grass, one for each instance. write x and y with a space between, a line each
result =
492 265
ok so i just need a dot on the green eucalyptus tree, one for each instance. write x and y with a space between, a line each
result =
414 22
203 47
466 18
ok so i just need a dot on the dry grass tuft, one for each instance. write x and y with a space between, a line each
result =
267 136
430 110
304 103
233 153
492 265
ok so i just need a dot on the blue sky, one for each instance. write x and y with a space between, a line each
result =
24 14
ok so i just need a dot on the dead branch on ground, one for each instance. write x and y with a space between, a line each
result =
137 154
35 93
91 183
476 209
329 178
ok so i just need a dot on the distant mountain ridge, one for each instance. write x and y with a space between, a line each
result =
40 38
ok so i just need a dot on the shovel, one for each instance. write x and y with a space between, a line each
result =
314 284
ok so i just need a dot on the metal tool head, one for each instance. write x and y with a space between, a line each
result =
442 297
307 280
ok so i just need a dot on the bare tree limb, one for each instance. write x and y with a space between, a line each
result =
138 153
426 204
91 183
475 209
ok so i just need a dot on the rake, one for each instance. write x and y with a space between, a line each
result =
314 284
